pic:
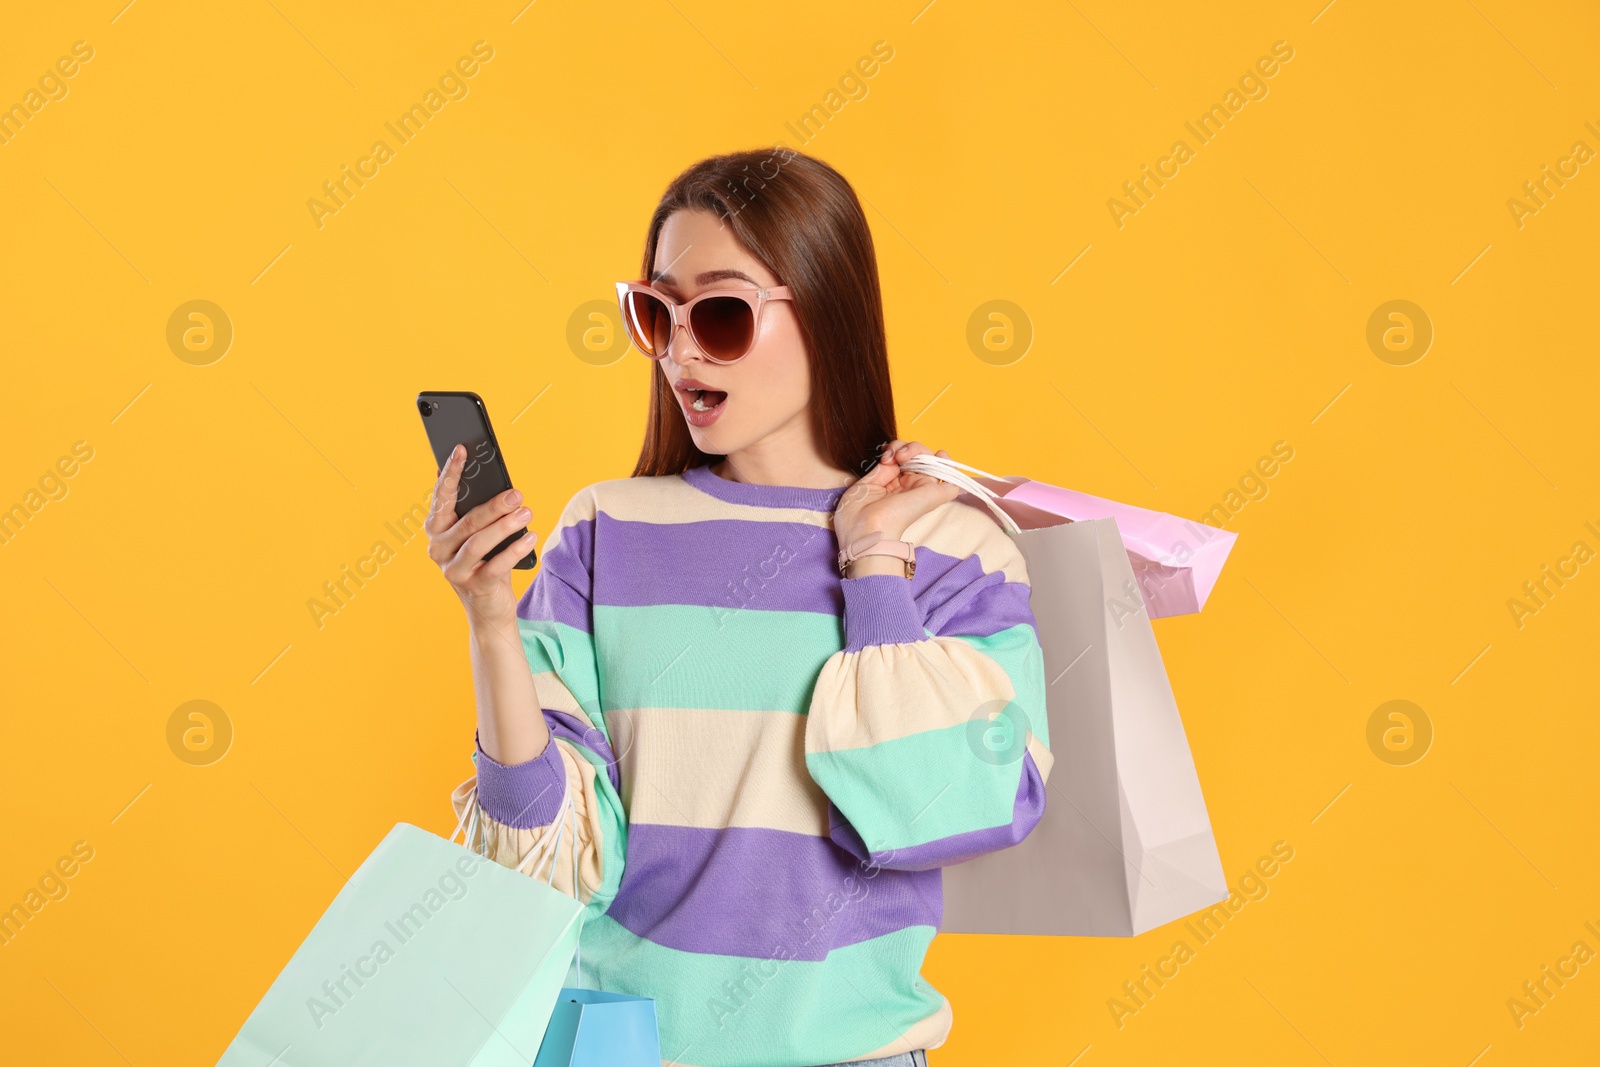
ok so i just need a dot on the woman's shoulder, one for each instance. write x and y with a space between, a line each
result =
964 529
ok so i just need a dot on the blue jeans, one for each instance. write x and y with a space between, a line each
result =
918 1058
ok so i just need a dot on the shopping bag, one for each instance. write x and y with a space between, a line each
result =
1125 843
590 1028
430 956
1175 561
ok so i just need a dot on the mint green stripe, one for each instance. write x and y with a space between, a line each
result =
687 656
912 790
555 646
613 840
1017 650
789 1011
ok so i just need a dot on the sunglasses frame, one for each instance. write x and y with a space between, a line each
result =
679 314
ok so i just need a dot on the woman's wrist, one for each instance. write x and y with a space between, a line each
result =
497 643
860 568
487 627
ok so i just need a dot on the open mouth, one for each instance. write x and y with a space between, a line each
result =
701 405
705 399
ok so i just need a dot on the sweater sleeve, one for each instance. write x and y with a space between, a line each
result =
927 730
516 805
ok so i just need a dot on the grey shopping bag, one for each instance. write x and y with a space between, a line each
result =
1125 843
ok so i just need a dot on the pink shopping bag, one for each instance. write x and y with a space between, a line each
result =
1175 561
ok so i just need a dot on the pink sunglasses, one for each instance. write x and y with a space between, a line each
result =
721 322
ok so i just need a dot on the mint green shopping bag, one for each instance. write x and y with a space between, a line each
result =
430 956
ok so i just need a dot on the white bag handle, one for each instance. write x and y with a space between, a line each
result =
949 470
567 808
548 842
474 828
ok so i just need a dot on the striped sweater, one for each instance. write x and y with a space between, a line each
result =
768 763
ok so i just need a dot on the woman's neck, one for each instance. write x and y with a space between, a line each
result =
804 468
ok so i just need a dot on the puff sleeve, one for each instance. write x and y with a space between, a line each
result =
927 730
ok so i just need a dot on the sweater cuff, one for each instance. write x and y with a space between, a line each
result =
523 795
879 610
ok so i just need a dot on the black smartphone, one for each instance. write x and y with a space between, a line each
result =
461 419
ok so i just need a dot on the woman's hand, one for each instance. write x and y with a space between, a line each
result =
459 545
889 499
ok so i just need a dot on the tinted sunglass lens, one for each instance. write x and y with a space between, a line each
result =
648 323
724 326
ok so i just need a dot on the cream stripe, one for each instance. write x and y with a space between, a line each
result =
961 529
554 695
925 1033
912 687
669 499
715 769
1043 758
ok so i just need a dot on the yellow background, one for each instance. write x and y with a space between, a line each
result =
1227 315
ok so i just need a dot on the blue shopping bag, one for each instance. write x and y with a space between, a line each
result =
590 1028
430 956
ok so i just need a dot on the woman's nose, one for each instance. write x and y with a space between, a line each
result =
680 346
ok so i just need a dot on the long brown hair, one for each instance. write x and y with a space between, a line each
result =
799 217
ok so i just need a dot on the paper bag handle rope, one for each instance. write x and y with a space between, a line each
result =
474 833
547 843
950 470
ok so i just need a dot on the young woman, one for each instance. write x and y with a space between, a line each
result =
767 747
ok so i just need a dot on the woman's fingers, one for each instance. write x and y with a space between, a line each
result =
905 450
442 511
447 545
925 479
480 541
458 543
444 527
883 475
496 569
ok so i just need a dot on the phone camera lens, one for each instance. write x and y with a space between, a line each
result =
425 407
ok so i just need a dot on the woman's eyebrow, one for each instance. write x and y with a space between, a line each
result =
707 277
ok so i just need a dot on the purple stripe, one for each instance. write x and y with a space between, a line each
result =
1026 812
523 795
765 894
549 598
879 609
727 563
785 566
570 728
563 589
963 599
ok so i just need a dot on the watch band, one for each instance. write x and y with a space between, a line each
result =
903 550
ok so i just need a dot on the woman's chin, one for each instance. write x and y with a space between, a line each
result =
715 440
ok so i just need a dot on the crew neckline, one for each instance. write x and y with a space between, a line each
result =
770 496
